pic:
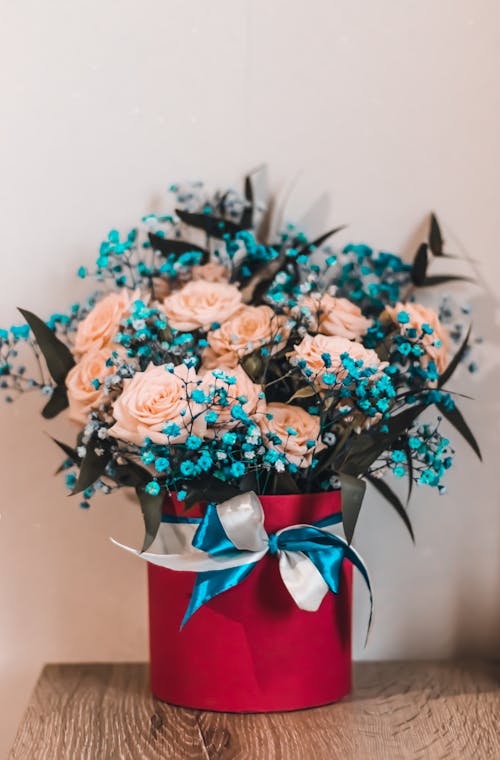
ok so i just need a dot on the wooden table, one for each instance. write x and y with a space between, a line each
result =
397 710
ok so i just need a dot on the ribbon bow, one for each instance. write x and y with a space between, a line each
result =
226 544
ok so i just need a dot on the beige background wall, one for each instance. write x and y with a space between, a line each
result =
392 106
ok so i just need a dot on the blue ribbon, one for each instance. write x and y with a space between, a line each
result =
325 550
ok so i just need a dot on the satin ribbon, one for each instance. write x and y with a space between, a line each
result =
226 544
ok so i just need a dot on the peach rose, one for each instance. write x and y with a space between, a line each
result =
312 348
201 303
252 397
250 328
100 326
211 272
333 316
420 315
285 417
153 399
83 396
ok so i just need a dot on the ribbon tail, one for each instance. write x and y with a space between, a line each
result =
356 560
209 584
329 563
303 580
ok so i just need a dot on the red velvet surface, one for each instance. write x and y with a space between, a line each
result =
251 649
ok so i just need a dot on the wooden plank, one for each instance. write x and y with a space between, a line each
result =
397 710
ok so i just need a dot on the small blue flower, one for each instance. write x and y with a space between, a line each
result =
329 378
162 464
153 488
403 317
193 442
172 430
237 469
205 461
187 468
148 457
398 456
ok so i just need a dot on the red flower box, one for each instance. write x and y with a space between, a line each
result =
251 649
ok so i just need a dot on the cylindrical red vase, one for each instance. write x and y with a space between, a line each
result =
251 649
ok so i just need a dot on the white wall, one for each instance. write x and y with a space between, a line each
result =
392 106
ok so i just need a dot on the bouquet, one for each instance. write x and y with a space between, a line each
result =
224 352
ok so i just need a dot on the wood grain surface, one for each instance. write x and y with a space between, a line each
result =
397 710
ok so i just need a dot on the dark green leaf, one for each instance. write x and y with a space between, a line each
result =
368 447
383 349
209 489
56 403
409 462
152 507
253 365
309 247
284 483
388 494
246 220
57 355
92 467
214 226
440 279
166 246
249 482
455 418
130 475
450 369
435 237
305 392
353 491
69 451
420 263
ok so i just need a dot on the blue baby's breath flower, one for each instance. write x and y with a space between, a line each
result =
398 456
271 456
172 430
205 461
20 332
198 396
193 442
404 348
187 468
162 464
153 488
238 413
237 469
